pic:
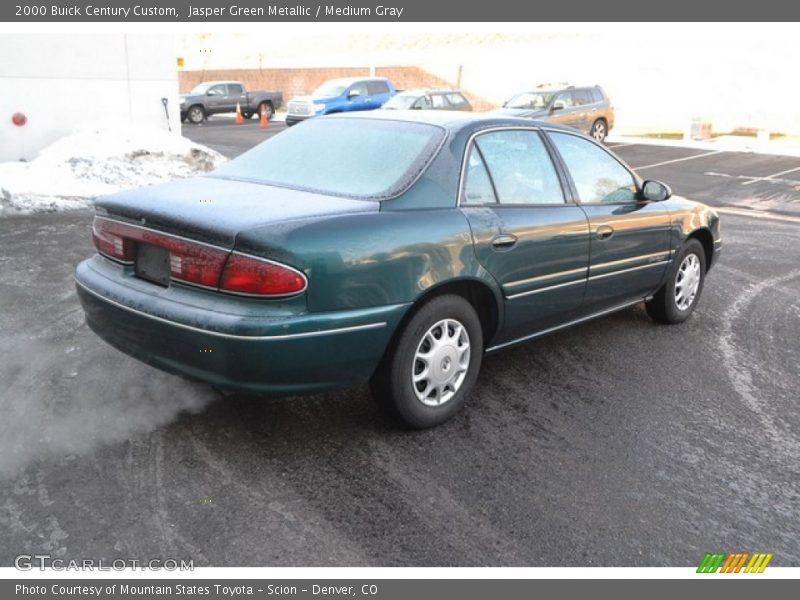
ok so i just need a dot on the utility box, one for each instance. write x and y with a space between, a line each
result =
700 129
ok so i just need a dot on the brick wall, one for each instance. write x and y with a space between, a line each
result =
299 82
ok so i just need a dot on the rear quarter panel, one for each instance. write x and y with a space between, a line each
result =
372 259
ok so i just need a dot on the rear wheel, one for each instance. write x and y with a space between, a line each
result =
676 300
196 114
599 130
428 374
266 106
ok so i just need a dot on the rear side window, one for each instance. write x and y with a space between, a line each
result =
235 89
376 88
597 96
456 99
598 176
520 167
581 97
356 158
439 101
478 187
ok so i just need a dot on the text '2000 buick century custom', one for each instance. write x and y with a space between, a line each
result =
393 247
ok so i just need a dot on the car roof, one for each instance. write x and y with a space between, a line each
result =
449 119
418 91
349 80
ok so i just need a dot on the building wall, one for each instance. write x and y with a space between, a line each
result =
302 81
64 82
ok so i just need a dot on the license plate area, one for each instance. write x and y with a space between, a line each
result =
152 263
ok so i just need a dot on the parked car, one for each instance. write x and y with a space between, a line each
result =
587 109
428 99
215 97
341 95
394 248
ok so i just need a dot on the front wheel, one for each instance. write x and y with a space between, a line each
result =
196 114
678 297
428 374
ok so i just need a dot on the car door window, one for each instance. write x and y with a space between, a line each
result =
216 90
580 98
376 88
424 103
520 167
566 98
596 96
478 186
360 87
439 101
598 176
235 89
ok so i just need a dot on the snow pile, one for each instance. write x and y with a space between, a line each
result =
74 170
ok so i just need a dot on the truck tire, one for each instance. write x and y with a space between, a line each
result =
266 105
196 114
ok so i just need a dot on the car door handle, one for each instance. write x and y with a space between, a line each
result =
604 232
504 241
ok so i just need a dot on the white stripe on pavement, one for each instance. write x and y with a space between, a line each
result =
755 214
768 177
675 160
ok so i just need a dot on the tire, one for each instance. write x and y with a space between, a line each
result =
269 108
599 130
451 371
678 297
196 114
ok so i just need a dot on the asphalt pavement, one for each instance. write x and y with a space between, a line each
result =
616 443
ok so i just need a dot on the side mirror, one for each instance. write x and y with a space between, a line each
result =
655 191
353 93
558 105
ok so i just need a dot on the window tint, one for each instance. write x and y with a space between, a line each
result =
596 96
581 97
360 87
376 88
566 98
424 102
477 187
439 101
235 89
456 99
216 90
349 157
520 167
598 176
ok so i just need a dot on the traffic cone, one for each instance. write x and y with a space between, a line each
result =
264 121
239 118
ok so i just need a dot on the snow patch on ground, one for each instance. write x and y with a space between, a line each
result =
73 171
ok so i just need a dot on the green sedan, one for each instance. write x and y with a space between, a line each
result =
393 248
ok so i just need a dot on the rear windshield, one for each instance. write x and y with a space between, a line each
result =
357 158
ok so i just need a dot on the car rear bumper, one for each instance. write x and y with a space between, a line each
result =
210 342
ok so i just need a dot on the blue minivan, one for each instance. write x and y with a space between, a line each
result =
341 95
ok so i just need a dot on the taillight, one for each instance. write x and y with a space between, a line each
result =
109 240
260 277
198 263
192 262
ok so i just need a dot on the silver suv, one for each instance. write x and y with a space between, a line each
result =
587 109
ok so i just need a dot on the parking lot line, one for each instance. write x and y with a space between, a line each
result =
675 160
754 214
768 177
